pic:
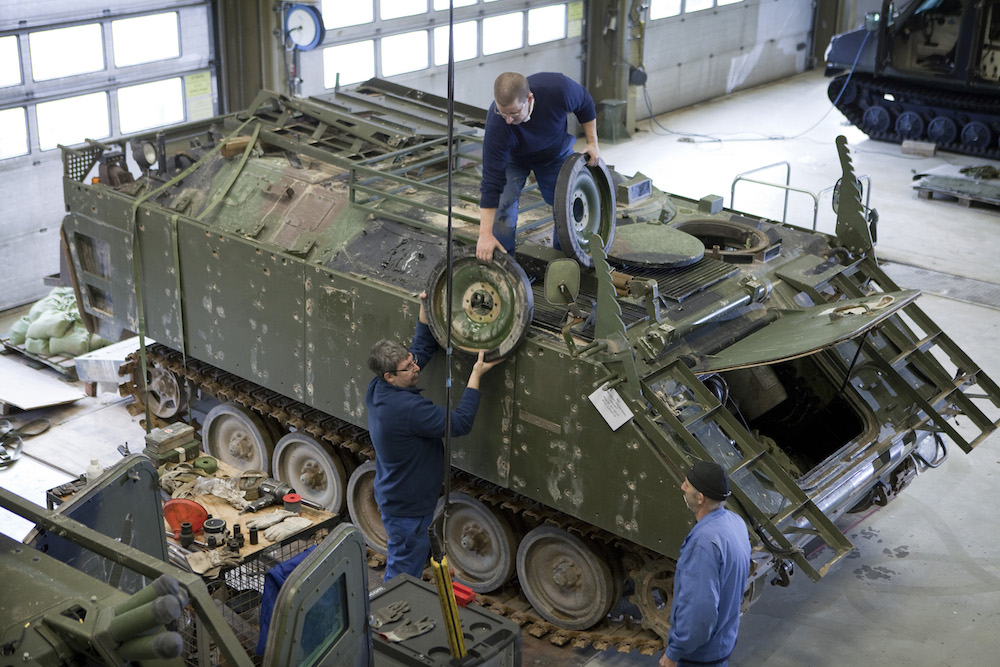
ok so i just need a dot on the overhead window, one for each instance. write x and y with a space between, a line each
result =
354 63
10 62
340 14
394 9
661 9
71 120
546 24
697 5
503 33
150 105
145 39
13 133
66 52
404 53
466 37
442 5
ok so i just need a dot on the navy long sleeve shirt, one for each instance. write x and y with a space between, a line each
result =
537 141
708 587
407 431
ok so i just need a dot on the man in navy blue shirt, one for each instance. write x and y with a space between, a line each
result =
711 574
406 429
526 132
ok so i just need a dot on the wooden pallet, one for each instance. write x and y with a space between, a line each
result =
965 191
63 365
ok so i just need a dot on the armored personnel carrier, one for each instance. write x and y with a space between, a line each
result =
926 70
265 251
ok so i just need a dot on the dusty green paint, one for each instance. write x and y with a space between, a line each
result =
321 242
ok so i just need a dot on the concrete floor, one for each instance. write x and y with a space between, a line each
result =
923 585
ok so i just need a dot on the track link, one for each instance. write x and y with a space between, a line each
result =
626 636
864 91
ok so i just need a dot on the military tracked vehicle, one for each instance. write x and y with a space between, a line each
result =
925 71
265 251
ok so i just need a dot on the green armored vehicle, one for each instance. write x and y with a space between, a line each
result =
266 250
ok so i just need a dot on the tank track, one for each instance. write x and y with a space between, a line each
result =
628 635
961 108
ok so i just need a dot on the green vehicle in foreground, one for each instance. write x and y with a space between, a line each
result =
266 250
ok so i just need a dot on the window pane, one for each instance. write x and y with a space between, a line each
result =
503 33
696 5
546 24
72 120
145 39
442 5
150 105
659 9
393 9
355 63
66 51
13 133
466 42
10 62
404 53
340 13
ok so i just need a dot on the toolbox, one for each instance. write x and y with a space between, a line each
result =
490 640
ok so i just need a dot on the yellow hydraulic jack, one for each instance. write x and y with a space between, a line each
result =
446 594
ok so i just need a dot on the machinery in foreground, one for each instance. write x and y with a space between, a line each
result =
267 250
923 70
92 585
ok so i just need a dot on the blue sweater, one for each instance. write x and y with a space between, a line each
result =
541 139
406 429
711 575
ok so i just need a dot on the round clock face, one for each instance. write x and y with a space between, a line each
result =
304 26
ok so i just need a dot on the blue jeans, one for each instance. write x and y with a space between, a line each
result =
505 222
409 544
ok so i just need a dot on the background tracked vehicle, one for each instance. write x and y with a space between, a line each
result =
265 251
926 70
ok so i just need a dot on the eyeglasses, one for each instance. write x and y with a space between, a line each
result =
517 114
410 367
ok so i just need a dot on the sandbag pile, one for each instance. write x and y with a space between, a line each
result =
53 327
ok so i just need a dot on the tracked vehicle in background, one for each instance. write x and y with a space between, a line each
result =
266 250
923 70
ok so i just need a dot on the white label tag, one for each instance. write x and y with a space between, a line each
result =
611 406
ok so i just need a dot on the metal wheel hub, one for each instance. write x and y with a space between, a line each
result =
165 395
566 580
475 539
481 303
239 445
654 594
481 543
565 574
312 475
491 304
584 204
237 436
313 469
364 510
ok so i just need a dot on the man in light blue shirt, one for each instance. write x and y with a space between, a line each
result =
711 574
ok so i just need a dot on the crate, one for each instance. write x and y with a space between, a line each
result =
238 593
164 439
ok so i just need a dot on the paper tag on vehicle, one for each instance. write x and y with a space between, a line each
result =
611 406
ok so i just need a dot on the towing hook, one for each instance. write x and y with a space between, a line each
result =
784 570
